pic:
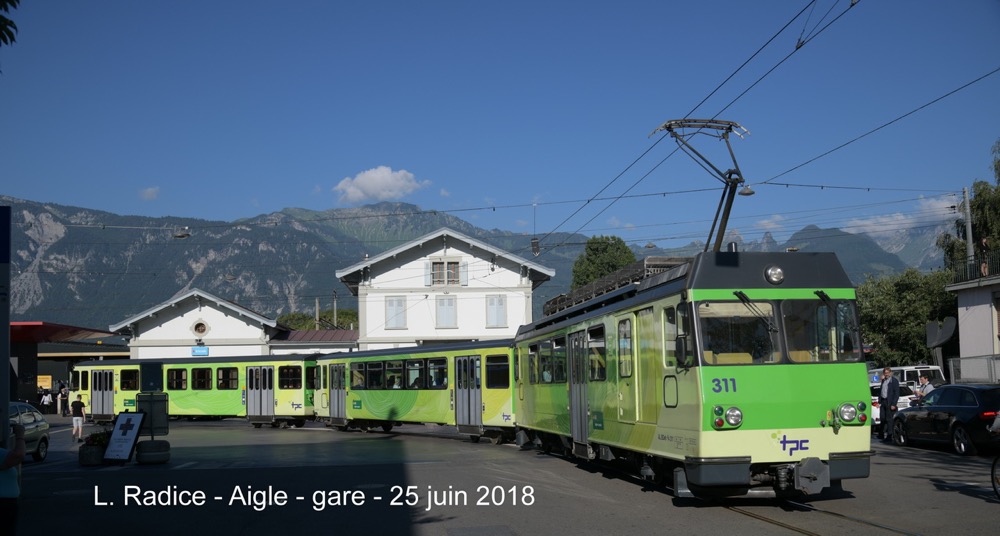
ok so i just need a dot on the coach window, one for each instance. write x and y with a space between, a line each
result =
129 380
312 377
80 381
559 360
394 374
290 377
416 378
625 348
597 351
201 379
228 378
357 376
177 379
670 337
374 375
533 364
437 368
497 372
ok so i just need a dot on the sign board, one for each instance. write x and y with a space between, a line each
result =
199 351
154 406
124 435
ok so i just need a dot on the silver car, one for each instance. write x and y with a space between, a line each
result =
36 429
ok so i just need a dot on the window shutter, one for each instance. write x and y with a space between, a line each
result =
427 273
463 274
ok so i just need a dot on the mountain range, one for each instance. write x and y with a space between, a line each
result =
93 269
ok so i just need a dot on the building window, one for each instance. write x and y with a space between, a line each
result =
228 377
445 273
201 378
447 312
496 311
395 312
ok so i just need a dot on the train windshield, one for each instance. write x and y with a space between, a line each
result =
738 333
820 331
764 332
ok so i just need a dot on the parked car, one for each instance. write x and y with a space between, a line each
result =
955 413
905 396
36 429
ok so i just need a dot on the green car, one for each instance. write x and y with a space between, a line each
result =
36 429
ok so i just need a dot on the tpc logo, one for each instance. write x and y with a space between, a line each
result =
792 445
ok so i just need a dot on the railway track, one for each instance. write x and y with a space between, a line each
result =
844 524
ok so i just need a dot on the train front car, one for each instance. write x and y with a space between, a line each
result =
781 395
729 374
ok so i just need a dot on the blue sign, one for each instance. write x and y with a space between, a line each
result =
199 351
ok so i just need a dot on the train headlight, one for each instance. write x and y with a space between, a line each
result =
774 275
847 412
734 416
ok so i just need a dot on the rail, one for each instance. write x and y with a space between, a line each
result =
978 267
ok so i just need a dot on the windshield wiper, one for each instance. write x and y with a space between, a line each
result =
752 307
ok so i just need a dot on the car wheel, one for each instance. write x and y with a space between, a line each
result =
42 451
899 436
961 441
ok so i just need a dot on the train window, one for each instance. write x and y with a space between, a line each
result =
533 364
416 378
559 360
129 380
81 381
625 348
497 372
374 376
290 377
228 378
738 333
394 374
201 379
357 376
820 331
312 377
437 368
545 362
597 351
177 379
669 337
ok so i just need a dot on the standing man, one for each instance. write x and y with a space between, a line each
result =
925 386
887 399
79 414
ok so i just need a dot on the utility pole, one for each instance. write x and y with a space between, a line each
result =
5 243
334 308
317 315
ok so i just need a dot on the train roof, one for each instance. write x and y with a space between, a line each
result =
426 348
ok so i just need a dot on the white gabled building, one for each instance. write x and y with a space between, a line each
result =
442 287
198 324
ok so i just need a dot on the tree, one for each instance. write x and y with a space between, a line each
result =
307 321
984 208
8 30
895 310
603 255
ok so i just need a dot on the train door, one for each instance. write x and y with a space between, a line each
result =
578 406
469 395
102 395
260 394
626 374
338 394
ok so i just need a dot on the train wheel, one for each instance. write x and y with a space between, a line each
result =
299 423
496 439
474 438
387 428
257 425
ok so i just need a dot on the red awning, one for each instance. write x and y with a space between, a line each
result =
22 332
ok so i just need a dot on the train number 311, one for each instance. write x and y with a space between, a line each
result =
727 385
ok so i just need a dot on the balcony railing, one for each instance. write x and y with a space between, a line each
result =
978 267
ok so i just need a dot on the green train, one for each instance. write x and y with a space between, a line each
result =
466 385
728 374
275 390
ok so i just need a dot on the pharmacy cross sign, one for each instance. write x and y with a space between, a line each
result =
126 426
122 442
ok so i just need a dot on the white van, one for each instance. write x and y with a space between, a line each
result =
908 375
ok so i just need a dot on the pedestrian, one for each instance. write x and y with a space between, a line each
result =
925 386
10 481
984 250
887 399
79 414
47 403
64 401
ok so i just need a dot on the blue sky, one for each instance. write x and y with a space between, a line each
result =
512 114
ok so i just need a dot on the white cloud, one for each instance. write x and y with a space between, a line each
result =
928 212
445 193
772 224
378 184
149 194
